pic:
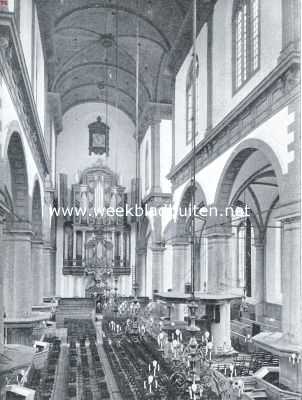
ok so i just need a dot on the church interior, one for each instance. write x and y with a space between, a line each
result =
150 198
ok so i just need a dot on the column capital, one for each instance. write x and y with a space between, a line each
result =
141 251
218 222
158 247
258 242
37 242
153 113
21 228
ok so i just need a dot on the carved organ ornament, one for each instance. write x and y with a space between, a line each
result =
99 238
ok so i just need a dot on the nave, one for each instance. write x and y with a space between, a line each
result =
124 355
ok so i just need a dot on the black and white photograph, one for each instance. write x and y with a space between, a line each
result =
150 200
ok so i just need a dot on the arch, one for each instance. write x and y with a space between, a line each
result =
6 203
187 195
242 152
19 178
37 212
169 231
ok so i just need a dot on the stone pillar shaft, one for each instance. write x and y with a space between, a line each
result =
180 252
141 271
18 302
221 331
292 280
260 278
219 263
48 257
37 271
155 153
157 268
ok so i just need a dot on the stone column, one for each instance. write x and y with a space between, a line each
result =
180 260
157 267
48 261
221 280
219 263
155 154
291 280
291 375
221 331
53 272
141 270
37 270
20 236
260 277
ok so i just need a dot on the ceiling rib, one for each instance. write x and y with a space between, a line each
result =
100 101
93 84
95 64
118 8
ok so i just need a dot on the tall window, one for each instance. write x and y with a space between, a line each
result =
189 101
246 40
244 237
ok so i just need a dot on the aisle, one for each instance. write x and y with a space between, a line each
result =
60 391
113 389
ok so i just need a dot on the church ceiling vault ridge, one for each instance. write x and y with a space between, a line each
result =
90 48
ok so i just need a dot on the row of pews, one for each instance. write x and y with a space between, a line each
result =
129 357
246 364
86 375
43 380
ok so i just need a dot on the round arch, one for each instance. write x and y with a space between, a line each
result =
183 216
242 152
19 177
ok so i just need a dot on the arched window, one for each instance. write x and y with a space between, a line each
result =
244 238
147 183
246 40
189 101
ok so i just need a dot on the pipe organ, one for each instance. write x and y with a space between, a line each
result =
97 203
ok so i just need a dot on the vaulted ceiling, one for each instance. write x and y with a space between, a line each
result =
90 46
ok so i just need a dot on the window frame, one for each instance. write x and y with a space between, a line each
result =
250 72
